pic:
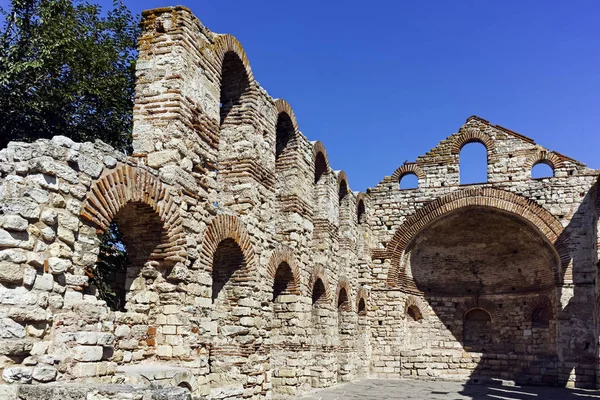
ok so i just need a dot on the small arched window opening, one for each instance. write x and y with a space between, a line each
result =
360 211
234 87
409 181
540 318
284 279
414 314
320 166
318 293
284 135
542 170
227 260
477 328
343 303
128 244
473 163
362 307
342 191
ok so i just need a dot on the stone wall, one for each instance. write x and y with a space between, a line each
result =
256 271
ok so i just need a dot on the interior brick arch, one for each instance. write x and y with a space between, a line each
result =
541 301
280 255
344 284
471 135
407 169
226 227
228 43
319 273
545 157
125 185
544 222
486 305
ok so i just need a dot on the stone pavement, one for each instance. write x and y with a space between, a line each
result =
433 390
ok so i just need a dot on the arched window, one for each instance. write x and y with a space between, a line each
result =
414 314
409 181
477 327
284 279
343 303
318 292
540 318
473 163
284 135
128 244
342 191
320 166
360 211
542 170
234 87
362 307
227 260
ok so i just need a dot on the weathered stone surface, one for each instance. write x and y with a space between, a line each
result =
17 374
10 273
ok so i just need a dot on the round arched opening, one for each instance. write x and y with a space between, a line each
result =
284 135
227 261
542 170
480 251
414 314
234 86
318 292
320 166
342 303
409 180
477 328
362 307
284 280
130 242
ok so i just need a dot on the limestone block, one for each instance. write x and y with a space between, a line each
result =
13 222
13 255
44 373
44 282
58 265
87 353
90 166
164 351
10 329
40 348
29 314
17 374
25 207
159 158
11 273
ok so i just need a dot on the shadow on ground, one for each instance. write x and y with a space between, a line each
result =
442 390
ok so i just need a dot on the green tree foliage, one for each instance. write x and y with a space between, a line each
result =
109 274
67 68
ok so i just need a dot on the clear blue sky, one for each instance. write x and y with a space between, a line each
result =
381 82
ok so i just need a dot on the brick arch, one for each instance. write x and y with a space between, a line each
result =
361 295
543 157
408 169
342 178
224 227
344 284
534 214
414 301
473 304
535 303
280 255
360 198
125 185
319 169
228 43
471 135
283 106
319 273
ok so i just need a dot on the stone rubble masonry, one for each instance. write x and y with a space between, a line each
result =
256 271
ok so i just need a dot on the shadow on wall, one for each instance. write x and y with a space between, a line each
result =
490 277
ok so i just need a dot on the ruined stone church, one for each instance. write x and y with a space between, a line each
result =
256 272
